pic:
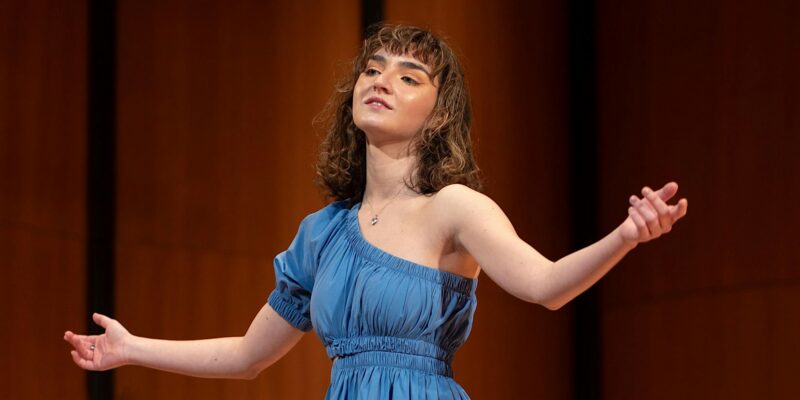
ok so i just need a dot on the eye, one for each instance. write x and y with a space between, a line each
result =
371 72
409 80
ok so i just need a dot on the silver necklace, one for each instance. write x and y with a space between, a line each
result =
375 219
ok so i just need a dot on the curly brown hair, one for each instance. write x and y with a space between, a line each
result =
443 147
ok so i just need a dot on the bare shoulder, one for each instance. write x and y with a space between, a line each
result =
460 200
461 206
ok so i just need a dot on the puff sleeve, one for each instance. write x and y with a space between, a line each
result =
296 267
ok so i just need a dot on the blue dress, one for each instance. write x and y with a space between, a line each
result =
391 325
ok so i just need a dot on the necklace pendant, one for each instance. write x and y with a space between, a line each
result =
374 220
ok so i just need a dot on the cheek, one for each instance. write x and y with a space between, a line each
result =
356 90
422 105
360 82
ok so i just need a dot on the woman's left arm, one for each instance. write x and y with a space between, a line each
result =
483 230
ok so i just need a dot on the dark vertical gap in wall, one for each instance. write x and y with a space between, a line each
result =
371 14
101 174
583 175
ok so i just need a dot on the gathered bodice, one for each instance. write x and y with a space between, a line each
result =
371 309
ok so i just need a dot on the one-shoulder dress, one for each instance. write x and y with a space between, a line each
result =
390 325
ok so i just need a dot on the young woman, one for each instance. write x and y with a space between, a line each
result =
386 274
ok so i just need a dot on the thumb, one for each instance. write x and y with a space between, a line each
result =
101 319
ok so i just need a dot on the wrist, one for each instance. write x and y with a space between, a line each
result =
131 349
626 244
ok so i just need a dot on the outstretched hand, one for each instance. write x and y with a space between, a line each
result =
650 216
100 352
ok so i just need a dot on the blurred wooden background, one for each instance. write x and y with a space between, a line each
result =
215 149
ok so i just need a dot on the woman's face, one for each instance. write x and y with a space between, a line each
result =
393 97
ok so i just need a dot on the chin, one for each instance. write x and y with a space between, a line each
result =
377 136
373 128
379 131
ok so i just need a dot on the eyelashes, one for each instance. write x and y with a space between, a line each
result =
406 79
409 80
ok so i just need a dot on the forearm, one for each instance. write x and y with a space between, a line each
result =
209 358
576 272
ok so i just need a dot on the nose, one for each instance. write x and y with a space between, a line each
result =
381 85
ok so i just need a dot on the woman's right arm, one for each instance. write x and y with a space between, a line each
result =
268 339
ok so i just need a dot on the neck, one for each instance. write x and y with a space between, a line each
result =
388 167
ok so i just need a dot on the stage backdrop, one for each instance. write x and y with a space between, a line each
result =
705 93
43 127
215 154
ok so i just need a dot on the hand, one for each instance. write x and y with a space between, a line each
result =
100 352
650 216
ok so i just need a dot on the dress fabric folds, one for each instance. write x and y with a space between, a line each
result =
390 325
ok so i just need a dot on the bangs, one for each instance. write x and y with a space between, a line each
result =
403 40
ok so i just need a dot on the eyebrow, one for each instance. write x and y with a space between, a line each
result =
406 64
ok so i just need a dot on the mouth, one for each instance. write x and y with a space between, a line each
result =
377 102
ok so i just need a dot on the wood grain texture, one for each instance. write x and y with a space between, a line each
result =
216 150
733 344
706 95
42 195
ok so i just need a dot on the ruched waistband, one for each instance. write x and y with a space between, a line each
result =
392 360
389 351
390 344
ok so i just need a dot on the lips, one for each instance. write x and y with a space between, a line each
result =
378 100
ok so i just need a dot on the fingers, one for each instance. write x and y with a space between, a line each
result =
667 191
641 225
681 209
652 215
81 362
661 209
83 344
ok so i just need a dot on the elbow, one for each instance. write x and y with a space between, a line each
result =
541 292
553 306
553 303
254 369
250 377
250 374
250 371
552 297
548 303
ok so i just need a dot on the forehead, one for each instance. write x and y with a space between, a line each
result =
398 57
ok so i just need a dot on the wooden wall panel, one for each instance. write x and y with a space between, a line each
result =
42 195
737 343
707 95
515 58
216 153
